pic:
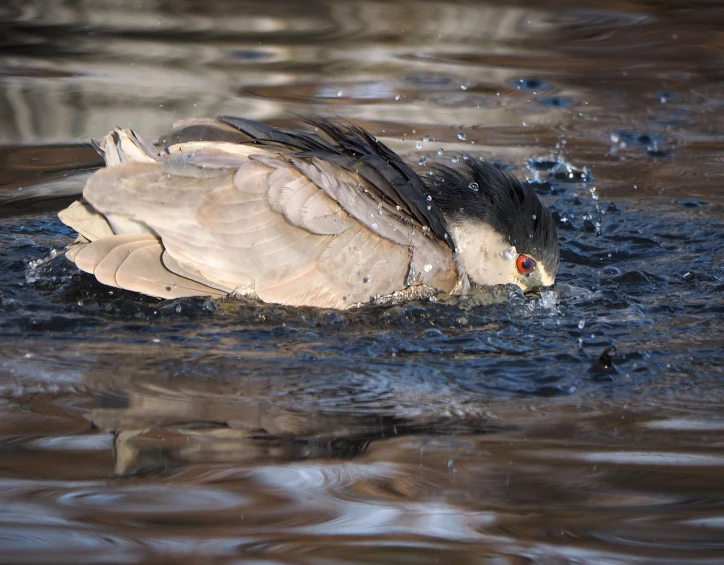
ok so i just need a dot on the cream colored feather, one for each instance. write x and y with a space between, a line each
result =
86 221
211 218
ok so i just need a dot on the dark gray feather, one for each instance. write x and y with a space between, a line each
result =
499 199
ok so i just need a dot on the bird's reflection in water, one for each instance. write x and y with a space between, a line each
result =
162 423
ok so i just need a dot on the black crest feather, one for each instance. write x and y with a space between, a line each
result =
482 192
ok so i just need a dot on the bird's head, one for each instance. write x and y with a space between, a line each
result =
501 232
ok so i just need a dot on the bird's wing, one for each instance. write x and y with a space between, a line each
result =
213 217
431 262
350 165
132 262
241 224
117 260
351 148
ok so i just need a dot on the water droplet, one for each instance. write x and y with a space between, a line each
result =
534 217
427 268
339 93
367 279
473 186
428 198
374 226
422 161
454 159
509 253
462 136
463 87
418 145
397 97
581 324
440 151
426 138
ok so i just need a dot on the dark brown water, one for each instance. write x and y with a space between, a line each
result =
138 431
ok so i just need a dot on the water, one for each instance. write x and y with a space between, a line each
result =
581 426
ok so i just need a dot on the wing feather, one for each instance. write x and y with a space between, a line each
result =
88 258
85 220
223 217
106 269
322 215
213 280
310 287
143 271
303 203
75 248
364 265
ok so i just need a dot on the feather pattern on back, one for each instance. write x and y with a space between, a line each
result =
233 206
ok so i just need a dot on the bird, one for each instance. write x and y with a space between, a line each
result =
323 215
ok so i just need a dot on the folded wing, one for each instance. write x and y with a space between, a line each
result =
216 217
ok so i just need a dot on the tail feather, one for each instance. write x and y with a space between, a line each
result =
124 145
86 221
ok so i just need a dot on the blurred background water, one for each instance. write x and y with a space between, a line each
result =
582 426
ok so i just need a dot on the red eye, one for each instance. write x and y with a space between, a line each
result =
525 264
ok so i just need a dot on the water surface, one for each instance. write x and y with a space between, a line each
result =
581 426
